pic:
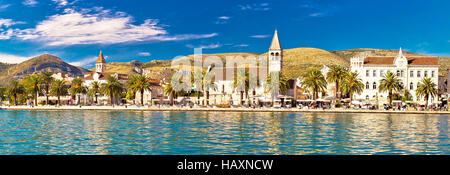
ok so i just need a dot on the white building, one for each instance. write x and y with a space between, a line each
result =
410 69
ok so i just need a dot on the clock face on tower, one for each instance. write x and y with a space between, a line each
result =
401 62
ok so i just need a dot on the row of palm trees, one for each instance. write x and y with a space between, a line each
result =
31 86
348 83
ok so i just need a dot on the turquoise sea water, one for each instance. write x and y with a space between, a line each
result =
175 133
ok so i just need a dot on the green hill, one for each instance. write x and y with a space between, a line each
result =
43 63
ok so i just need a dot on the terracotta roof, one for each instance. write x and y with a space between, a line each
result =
100 58
412 60
104 76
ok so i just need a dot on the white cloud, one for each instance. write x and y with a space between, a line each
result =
241 45
61 2
210 46
144 54
255 7
259 36
4 6
12 59
85 61
29 2
95 26
222 19
9 22
316 14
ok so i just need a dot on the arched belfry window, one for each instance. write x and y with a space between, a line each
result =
277 54
272 54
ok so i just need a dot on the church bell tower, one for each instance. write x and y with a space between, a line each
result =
275 55
100 64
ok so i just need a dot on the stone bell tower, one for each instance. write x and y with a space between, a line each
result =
100 64
275 55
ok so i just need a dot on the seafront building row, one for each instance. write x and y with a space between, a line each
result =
371 69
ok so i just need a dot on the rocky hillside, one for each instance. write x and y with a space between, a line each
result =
4 66
43 63
296 61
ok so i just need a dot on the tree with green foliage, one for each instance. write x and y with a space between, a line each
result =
390 83
14 89
94 90
336 75
351 84
406 96
45 80
426 88
78 89
2 93
32 86
282 85
58 89
140 83
112 88
314 81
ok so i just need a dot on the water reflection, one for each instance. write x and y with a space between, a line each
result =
88 132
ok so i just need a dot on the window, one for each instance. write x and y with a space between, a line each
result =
367 85
418 73
411 73
432 73
367 73
367 97
374 85
411 86
398 73
402 73
425 73
374 73
381 73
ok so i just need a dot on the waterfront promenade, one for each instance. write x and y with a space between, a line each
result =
239 109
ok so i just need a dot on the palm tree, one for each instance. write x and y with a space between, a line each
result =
351 84
128 84
139 83
170 91
78 88
426 88
95 90
31 84
197 81
59 88
314 81
336 75
46 79
208 84
203 82
283 84
390 83
112 87
242 82
14 89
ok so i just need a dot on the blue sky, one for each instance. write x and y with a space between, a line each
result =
76 30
